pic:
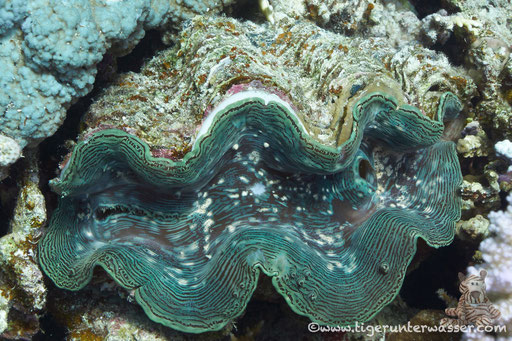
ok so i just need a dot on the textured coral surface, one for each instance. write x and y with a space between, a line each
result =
49 51
320 58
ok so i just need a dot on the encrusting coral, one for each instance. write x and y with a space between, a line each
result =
22 289
10 151
320 71
49 51
326 194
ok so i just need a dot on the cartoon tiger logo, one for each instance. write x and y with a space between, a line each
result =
474 306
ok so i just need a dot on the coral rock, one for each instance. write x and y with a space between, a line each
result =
22 290
49 51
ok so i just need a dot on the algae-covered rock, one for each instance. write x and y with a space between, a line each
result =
23 293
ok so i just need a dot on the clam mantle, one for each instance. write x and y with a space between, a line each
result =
335 226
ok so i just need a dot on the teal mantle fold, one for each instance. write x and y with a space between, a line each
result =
335 226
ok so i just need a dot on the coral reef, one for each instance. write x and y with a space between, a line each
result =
497 254
476 228
474 143
504 148
390 19
49 51
319 58
481 31
321 71
10 151
22 291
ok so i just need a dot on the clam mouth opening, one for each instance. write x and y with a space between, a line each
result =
246 192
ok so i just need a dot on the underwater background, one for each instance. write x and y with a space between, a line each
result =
255 170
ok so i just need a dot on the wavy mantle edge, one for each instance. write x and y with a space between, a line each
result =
171 173
75 179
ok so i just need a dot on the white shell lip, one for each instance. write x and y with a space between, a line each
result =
243 95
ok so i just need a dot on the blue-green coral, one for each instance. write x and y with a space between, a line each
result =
335 227
49 51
